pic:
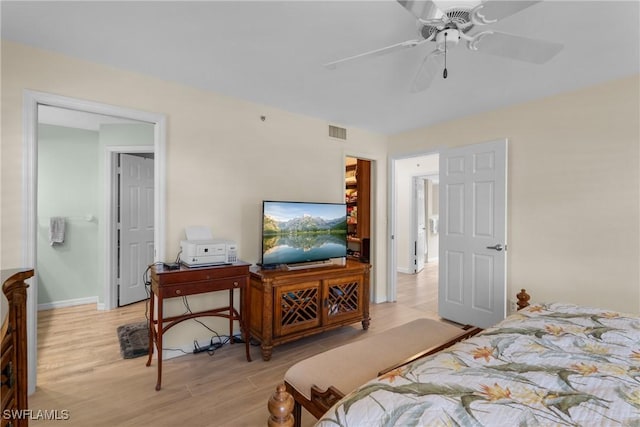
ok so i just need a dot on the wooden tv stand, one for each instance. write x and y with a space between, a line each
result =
287 305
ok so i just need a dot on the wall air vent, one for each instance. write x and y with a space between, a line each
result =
337 132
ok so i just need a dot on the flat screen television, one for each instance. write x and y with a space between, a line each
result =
302 232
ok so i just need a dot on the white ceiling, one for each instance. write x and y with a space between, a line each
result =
271 53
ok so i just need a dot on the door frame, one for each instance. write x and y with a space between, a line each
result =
392 247
111 217
31 100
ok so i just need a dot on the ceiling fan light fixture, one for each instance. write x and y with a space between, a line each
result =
447 38
458 18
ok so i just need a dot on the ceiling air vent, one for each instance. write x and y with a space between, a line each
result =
337 132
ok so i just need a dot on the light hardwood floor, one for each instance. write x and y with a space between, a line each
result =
80 368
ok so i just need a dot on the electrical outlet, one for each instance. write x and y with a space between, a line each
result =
513 306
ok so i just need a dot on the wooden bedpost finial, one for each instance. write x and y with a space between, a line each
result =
523 299
280 407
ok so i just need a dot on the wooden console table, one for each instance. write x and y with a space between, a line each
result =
289 305
197 280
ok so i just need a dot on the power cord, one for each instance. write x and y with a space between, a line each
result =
212 347
147 288
239 340
176 349
186 304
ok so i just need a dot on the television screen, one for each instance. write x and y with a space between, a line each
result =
294 232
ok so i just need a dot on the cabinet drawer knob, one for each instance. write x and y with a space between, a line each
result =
178 291
235 284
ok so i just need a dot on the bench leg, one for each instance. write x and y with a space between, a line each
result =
280 407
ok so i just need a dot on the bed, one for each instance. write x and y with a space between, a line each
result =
548 364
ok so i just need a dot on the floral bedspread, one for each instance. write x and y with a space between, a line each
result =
547 365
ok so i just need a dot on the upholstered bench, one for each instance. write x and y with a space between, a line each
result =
319 381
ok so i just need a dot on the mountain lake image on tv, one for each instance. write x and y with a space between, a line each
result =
294 232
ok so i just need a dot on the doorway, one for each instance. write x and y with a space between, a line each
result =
376 203
472 228
32 102
358 200
133 225
69 147
408 218
425 221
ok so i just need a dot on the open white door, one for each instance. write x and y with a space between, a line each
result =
473 234
136 226
420 226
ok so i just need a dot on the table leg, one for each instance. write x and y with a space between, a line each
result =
245 319
151 329
159 342
231 316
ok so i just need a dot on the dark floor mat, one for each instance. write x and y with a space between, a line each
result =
134 339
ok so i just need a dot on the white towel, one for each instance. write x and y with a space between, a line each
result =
56 230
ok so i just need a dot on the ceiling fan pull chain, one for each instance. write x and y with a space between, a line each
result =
445 73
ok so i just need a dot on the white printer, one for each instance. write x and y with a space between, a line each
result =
201 250
208 252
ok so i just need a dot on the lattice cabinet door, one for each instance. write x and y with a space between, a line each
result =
342 298
296 307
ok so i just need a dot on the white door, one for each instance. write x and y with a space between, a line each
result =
136 226
473 234
420 242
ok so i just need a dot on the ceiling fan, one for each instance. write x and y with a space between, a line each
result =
445 28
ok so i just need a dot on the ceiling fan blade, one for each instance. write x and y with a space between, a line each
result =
491 11
515 47
422 9
432 64
381 51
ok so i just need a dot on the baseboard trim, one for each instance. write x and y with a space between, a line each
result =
405 270
67 303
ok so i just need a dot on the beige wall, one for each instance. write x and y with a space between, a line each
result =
573 191
222 160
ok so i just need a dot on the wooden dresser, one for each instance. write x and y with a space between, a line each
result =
289 305
14 347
